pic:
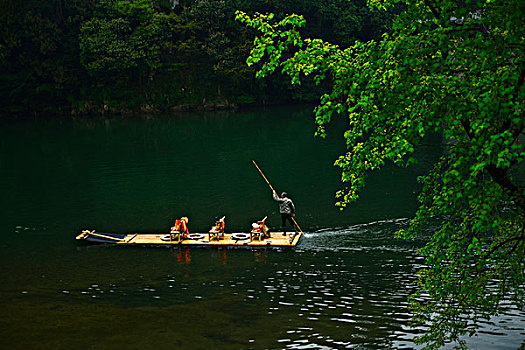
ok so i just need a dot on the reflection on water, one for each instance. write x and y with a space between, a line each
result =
184 255
346 286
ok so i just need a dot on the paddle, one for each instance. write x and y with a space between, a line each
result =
268 182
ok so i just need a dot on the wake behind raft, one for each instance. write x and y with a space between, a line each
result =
258 237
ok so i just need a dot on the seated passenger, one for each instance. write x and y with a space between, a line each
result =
218 229
181 226
219 226
259 228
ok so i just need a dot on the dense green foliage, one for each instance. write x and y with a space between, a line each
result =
39 54
154 55
449 67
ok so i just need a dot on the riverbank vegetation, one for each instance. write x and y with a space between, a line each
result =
449 67
75 57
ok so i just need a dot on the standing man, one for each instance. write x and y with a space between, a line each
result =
286 208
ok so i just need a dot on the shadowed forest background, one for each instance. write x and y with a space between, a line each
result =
75 57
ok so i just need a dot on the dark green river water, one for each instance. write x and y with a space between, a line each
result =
346 286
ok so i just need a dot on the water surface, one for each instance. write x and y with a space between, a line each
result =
345 287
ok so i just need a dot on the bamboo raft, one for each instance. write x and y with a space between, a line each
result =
210 239
259 237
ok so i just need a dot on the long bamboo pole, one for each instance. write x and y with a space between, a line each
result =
268 182
92 233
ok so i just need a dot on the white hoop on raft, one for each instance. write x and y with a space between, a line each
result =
240 236
195 236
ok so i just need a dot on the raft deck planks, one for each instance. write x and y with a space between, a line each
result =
145 239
